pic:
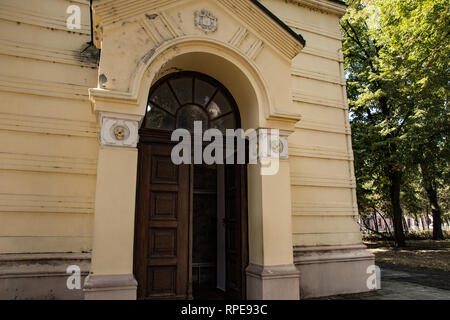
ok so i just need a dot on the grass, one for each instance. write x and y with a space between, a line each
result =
427 254
410 235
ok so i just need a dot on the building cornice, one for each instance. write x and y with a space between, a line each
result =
297 36
335 7
268 26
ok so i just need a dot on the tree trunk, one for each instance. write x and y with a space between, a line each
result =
424 222
429 185
399 235
436 213
386 223
405 224
375 220
416 218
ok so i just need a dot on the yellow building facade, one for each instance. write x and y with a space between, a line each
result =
71 185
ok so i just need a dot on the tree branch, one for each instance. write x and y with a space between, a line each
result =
376 232
385 222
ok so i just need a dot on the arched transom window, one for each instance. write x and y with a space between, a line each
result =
179 99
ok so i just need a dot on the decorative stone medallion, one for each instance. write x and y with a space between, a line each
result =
273 143
205 21
119 132
277 147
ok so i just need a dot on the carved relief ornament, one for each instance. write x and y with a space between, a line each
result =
271 144
119 130
205 21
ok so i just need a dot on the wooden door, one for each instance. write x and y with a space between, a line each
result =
162 225
235 231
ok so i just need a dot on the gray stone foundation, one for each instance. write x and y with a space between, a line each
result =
110 287
332 270
40 276
272 282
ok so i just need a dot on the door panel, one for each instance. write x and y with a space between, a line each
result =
235 234
162 225
164 213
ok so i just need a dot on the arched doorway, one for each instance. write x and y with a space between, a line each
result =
191 220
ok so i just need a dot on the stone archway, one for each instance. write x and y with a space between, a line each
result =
121 100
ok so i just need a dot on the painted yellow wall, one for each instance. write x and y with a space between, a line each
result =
48 134
114 207
324 208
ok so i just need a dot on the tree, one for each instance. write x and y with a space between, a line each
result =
374 112
416 37
396 57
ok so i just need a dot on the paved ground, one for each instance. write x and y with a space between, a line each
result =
404 283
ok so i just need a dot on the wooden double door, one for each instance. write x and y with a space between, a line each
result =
164 225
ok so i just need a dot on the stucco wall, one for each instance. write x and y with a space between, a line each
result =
322 177
48 134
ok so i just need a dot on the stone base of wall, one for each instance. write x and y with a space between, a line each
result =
332 270
110 287
40 276
272 282
324 271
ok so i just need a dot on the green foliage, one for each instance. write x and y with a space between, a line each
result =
411 235
423 235
397 66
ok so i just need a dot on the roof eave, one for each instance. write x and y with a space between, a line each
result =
297 36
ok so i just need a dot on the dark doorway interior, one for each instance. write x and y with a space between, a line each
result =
219 248
208 248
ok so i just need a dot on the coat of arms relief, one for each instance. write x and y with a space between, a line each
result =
205 21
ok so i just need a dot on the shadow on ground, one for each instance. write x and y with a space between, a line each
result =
406 283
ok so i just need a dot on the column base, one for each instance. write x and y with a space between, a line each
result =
110 287
273 282
333 270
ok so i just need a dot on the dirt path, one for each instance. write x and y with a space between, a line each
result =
421 254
